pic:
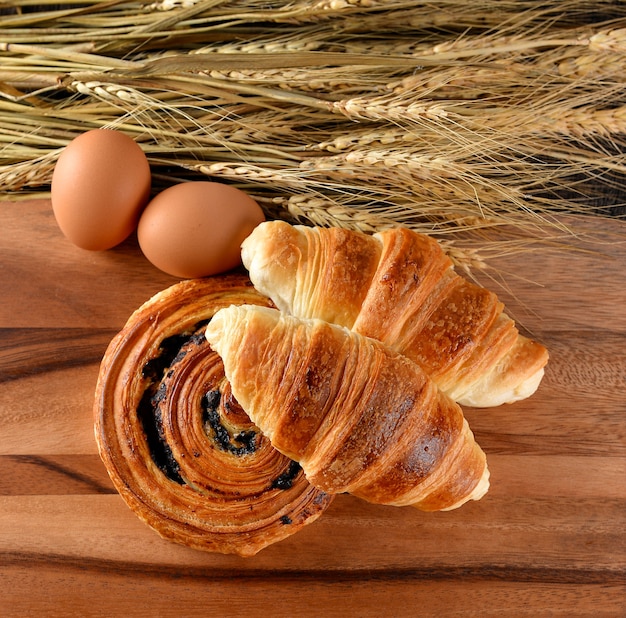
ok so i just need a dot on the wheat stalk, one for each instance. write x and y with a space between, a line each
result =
450 119
36 172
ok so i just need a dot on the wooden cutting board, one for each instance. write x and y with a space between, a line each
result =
548 539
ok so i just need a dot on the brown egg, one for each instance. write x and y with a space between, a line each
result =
195 229
100 184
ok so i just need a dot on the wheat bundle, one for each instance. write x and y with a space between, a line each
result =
451 119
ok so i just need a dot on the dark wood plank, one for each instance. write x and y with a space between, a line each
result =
49 475
368 595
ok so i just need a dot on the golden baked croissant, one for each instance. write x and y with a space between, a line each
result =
357 416
399 286
178 447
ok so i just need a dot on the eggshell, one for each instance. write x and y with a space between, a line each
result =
195 229
100 184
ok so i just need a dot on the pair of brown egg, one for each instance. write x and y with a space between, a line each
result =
101 193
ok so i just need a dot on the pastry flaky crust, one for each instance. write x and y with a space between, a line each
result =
357 416
399 286
178 447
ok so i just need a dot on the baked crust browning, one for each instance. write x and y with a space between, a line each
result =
177 445
357 416
408 296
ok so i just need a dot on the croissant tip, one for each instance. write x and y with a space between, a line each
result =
214 330
249 242
480 490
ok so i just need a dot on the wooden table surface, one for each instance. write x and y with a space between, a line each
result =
548 539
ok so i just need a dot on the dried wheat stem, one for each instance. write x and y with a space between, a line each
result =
249 173
386 109
481 195
361 113
325 212
111 92
69 55
327 9
170 5
613 41
467 259
592 66
439 176
358 138
419 166
181 121
585 121
32 173
283 43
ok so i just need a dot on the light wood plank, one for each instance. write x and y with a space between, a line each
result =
546 540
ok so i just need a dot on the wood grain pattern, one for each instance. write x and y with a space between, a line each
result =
548 539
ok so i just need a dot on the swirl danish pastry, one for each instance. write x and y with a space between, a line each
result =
179 449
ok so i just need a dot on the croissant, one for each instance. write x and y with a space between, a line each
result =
399 286
358 417
178 447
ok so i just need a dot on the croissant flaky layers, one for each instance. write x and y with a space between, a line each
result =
399 286
357 416
228 417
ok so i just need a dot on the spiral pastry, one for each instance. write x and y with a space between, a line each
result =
178 447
